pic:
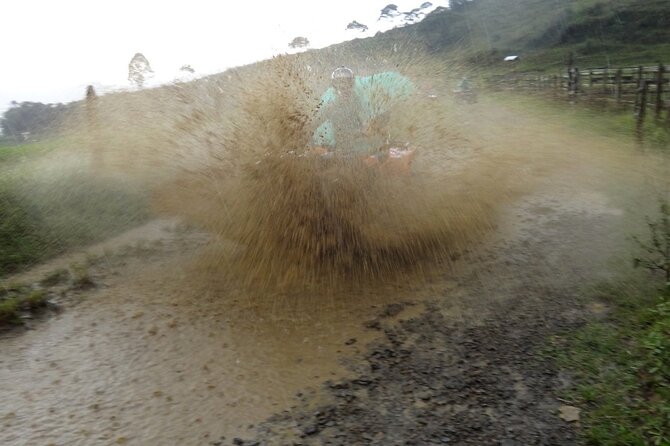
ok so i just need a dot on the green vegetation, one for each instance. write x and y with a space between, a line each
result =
589 55
545 32
56 277
15 299
621 365
17 152
588 117
81 277
32 119
9 310
42 215
21 234
657 250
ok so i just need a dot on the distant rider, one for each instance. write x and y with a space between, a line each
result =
464 86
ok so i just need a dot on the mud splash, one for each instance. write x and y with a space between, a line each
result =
231 154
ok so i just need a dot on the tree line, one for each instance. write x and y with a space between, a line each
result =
27 120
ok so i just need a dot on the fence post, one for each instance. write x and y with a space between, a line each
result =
606 81
578 80
91 110
659 91
92 125
570 80
619 76
641 110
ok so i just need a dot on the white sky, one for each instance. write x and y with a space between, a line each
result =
52 49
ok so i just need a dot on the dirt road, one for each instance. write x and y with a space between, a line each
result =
160 352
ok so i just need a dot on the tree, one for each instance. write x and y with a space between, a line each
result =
29 119
139 70
358 26
299 42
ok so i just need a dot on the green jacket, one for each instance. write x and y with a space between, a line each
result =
344 121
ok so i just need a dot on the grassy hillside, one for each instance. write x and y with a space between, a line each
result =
544 32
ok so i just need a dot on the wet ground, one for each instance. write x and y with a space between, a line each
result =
468 370
150 356
159 352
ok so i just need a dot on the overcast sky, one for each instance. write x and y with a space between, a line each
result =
52 49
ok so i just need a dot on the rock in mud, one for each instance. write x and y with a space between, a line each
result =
569 413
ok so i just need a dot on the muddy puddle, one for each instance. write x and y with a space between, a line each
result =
150 357
153 357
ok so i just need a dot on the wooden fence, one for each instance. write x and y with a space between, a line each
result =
642 89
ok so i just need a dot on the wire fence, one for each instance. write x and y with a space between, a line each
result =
642 89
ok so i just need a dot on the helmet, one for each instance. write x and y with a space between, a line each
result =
342 73
343 80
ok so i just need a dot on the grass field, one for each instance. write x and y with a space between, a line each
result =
47 208
16 152
621 369
612 122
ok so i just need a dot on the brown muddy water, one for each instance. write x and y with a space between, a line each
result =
152 358
178 344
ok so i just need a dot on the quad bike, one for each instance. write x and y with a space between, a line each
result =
395 161
318 210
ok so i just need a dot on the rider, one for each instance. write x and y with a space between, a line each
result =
354 110
340 107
